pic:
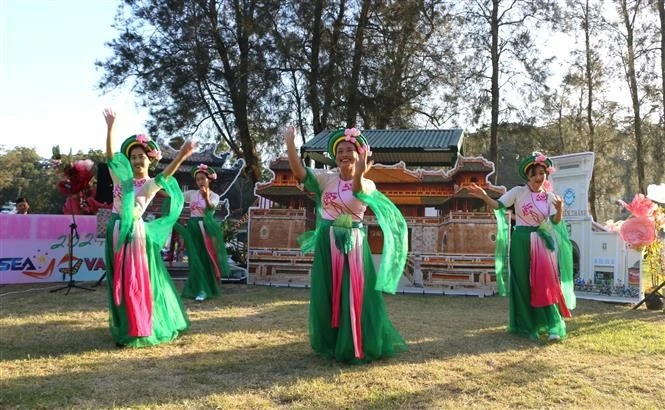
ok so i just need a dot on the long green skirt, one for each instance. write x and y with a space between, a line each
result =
379 337
526 320
168 313
202 275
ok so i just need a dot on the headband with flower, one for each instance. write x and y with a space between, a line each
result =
352 135
149 146
536 158
208 171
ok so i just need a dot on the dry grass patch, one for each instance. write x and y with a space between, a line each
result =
249 349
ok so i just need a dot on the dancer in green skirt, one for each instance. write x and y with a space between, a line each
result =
208 260
347 315
541 275
144 307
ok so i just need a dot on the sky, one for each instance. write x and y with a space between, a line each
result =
48 78
48 93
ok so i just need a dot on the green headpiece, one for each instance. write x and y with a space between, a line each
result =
208 171
149 146
536 158
352 135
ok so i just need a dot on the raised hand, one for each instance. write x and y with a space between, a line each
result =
187 149
109 117
476 191
290 134
184 153
558 203
294 159
362 164
205 191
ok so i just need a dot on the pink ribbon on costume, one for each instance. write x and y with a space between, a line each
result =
210 248
356 288
544 277
337 270
131 282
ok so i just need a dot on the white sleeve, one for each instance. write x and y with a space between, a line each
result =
214 199
368 186
322 176
150 188
508 199
189 196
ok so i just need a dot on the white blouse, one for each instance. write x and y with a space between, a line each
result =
197 204
337 195
531 208
144 192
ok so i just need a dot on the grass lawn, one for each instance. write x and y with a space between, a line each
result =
249 349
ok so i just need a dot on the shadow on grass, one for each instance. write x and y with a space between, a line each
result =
189 369
113 380
434 327
469 391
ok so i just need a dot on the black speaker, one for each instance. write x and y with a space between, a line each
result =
104 184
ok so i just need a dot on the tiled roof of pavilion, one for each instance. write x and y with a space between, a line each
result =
418 147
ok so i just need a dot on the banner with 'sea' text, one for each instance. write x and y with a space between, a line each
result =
35 249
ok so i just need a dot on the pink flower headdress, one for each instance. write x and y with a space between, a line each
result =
535 158
352 135
208 171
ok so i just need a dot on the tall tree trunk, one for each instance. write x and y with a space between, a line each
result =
589 107
494 124
238 84
661 14
559 127
317 30
634 96
353 100
328 94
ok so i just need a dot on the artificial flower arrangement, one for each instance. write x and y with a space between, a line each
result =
76 185
351 135
642 228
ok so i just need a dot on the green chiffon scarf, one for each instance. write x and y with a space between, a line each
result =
391 222
556 238
159 229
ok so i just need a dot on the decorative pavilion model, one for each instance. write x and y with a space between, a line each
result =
451 245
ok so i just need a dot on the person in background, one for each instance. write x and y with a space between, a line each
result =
144 307
348 320
541 262
22 205
208 260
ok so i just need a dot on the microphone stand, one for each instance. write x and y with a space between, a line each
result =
73 233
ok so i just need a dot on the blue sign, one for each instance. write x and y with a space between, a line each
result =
569 197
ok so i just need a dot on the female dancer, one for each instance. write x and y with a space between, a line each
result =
144 306
347 316
208 261
541 261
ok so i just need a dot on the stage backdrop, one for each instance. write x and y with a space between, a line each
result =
34 249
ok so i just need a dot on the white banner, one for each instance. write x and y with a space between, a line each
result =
35 249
